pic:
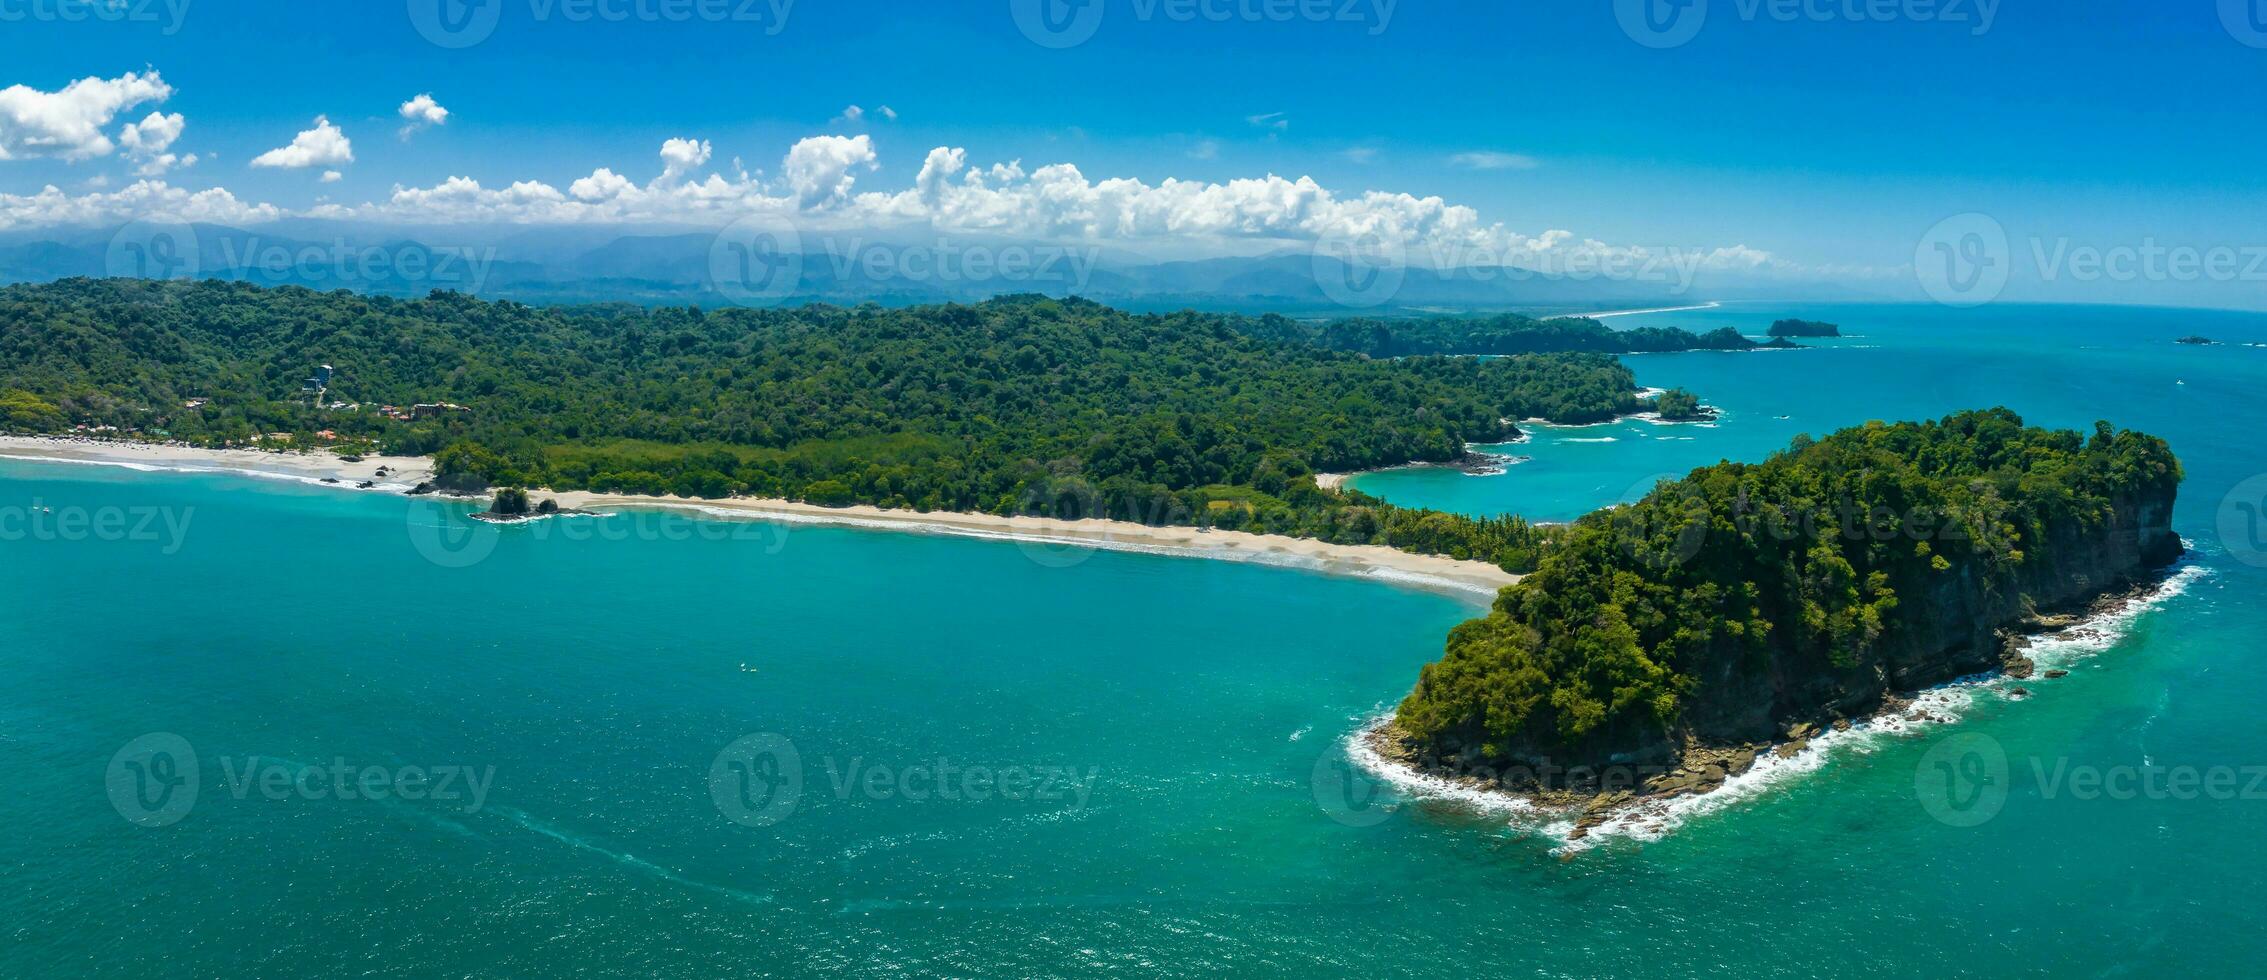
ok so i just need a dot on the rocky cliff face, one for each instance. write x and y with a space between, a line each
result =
1955 625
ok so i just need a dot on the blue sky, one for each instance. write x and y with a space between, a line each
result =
1816 133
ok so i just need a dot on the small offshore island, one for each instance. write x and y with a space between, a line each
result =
1804 328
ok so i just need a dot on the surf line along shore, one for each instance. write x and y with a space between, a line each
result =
1476 581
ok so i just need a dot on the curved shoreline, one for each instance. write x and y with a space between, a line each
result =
1580 822
1470 580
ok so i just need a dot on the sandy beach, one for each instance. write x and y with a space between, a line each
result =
1064 539
402 472
1060 540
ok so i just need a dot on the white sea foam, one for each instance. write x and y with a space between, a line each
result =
627 859
1424 786
1652 819
124 464
119 463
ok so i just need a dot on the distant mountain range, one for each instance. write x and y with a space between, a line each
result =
661 267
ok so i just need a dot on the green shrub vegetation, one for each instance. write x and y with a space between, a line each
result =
1677 404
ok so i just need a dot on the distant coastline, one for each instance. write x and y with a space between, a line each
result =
1466 579
1614 313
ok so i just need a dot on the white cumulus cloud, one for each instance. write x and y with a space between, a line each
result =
53 207
323 146
817 185
68 124
819 169
422 113
681 156
149 141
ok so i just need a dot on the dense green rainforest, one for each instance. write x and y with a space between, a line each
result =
1017 405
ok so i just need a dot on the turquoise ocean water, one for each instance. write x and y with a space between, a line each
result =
715 749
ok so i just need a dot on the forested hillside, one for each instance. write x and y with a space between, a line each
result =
1008 405
1806 587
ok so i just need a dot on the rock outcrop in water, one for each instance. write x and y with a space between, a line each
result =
1804 328
1751 604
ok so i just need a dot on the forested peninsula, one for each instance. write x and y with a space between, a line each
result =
1747 604
1499 334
